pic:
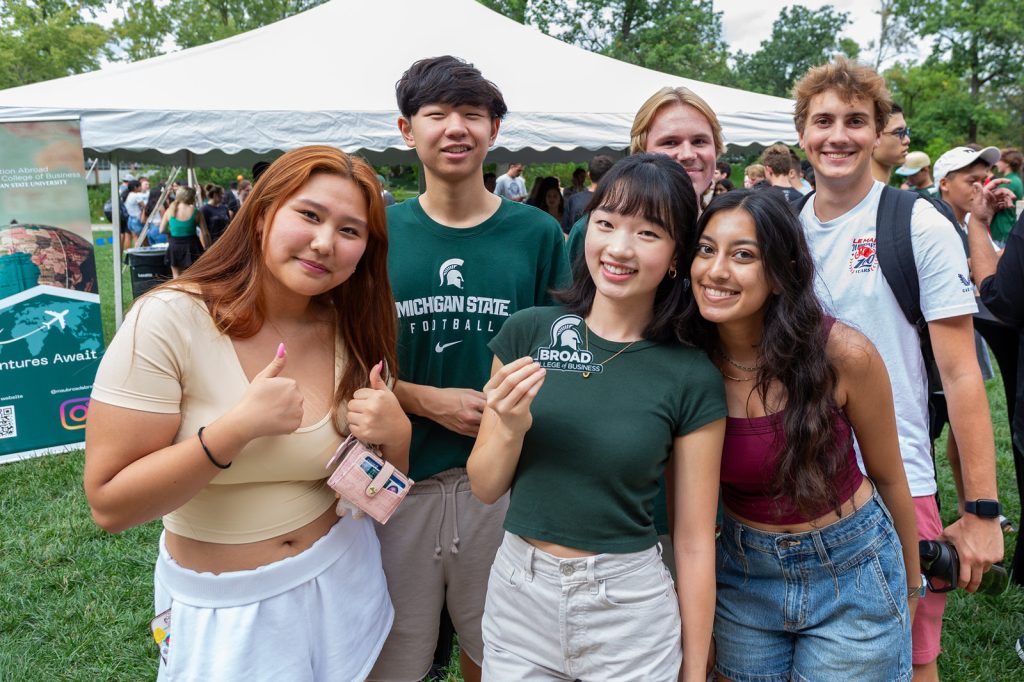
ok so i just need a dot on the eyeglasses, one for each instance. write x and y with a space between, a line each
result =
902 133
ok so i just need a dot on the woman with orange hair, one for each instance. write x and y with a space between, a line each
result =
219 403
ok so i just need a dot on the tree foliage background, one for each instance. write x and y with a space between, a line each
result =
969 89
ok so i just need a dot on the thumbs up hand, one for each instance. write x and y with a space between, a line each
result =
272 405
376 382
374 416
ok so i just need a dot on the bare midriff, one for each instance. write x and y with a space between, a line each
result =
560 551
216 557
855 502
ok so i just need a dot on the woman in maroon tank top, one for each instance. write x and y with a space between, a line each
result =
817 565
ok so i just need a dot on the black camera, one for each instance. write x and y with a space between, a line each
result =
940 561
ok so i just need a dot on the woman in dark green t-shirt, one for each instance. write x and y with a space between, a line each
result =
588 406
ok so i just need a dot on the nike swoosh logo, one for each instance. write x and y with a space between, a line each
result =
439 348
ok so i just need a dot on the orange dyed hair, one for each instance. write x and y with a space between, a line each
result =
230 276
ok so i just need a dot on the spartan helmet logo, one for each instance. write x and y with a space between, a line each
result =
450 275
565 332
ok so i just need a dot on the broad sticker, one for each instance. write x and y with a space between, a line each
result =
564 353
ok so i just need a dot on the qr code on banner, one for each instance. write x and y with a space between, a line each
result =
8 425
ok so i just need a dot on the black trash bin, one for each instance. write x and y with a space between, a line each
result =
146 264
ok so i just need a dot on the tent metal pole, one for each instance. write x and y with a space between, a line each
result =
115 238
143 238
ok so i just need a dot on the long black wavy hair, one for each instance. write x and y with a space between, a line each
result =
792 351
658 189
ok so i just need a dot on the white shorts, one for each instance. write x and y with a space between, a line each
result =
603 617
320 615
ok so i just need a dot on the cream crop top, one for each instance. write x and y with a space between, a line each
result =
169 357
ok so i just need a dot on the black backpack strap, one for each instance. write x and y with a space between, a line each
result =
895 253
895 250
947 212
799 204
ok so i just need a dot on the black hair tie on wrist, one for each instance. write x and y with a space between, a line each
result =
209 455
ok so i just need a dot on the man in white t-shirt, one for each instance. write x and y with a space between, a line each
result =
841 110
511 185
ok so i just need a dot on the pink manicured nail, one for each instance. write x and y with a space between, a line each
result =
280 350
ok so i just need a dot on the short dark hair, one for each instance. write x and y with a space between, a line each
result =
658 189
598 166
724 168
808 171
447 80
258 169
795 161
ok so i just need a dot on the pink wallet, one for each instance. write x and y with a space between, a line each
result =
366 480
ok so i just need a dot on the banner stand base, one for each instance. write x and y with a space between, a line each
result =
29 454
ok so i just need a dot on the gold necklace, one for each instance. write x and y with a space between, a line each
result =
729 376
586 332
738 365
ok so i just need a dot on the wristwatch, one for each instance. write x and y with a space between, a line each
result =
986 509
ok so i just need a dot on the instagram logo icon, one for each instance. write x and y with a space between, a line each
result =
73 413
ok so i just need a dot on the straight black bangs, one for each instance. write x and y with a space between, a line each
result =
651 186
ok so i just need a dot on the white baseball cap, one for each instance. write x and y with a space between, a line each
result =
914 163
961 157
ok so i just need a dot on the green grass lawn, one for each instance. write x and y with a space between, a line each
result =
75 602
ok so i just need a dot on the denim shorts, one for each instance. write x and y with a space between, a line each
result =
819 606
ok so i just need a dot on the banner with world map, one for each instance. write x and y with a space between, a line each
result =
51 330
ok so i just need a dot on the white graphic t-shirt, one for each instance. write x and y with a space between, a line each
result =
853 289
510 188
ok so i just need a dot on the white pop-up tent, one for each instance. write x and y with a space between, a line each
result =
327 76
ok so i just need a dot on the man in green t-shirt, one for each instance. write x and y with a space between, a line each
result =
461 261
1008 165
